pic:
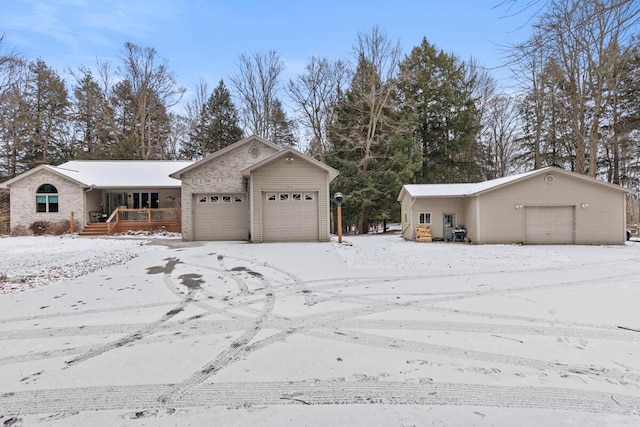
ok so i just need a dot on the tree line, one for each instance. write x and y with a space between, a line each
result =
383 117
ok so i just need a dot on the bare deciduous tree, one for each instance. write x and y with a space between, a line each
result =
500 132
314 94
154 89
195 121
583 38
13 74
381 57
256 84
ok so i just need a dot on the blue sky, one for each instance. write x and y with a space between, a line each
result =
202 39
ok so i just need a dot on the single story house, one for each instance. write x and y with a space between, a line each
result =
544 206
90 189
252 190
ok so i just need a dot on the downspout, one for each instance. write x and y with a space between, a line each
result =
250 197
624 218
478 239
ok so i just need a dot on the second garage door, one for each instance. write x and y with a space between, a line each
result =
290 216
221 217
549 225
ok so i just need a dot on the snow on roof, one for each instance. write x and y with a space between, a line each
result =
123 173
462 189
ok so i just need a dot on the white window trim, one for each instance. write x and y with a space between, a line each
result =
424 213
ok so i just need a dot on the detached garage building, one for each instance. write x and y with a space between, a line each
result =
544 206
258 191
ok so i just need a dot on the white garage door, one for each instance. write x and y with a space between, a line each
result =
290 216
221 217
549 225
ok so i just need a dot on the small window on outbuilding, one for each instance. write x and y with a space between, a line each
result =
47 198
424 218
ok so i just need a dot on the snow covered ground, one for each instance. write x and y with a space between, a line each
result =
376 331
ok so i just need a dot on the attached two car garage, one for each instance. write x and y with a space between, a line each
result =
256 191
286 216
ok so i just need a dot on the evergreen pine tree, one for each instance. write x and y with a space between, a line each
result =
216 127
439 106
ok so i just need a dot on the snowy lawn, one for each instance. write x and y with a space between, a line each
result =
376 331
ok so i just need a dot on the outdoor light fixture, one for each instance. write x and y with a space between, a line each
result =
584 205
288 159
518 206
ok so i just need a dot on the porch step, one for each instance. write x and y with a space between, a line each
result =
95 229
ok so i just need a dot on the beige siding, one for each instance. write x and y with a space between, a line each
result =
406 218
437 206
471 208
222 174
23 200
297 176
599 222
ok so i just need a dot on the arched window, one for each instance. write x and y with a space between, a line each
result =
47 198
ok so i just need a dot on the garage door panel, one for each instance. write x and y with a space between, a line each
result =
549 224
221 217
290 216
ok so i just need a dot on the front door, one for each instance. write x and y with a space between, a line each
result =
113 201
449 223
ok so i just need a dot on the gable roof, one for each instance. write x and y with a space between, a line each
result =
253 138
473 189
289 152
113 173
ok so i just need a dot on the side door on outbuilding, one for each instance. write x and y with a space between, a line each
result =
221 217
549 225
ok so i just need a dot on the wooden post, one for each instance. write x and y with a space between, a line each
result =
339 215
71 223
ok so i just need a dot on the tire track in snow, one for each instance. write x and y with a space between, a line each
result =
192 282
136 336
562 369
228 355
85 312
185 329
319 392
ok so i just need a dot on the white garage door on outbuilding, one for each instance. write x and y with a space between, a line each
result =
290 216
549 225
221 217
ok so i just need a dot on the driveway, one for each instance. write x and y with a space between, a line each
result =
377 331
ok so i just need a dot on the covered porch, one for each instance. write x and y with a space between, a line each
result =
113 210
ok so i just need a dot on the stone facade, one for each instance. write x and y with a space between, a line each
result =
223 173
23 200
